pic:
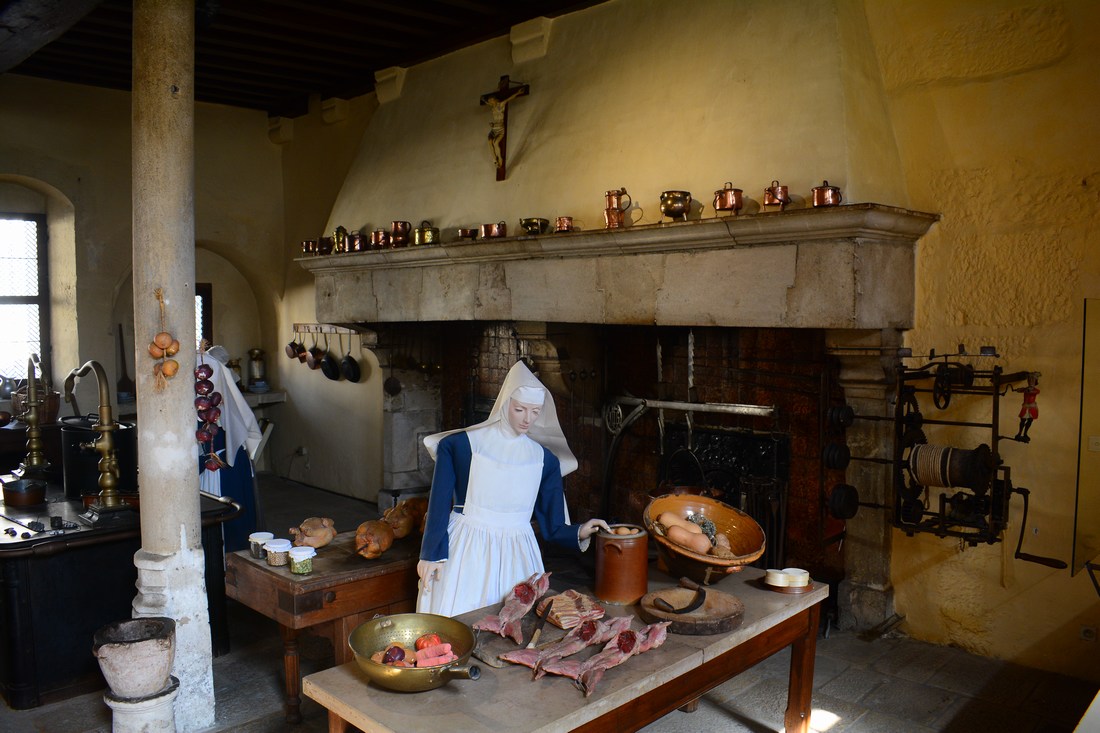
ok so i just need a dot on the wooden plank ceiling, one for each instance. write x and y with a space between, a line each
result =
269 55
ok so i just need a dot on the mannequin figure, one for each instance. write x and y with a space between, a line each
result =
489 480
1029 410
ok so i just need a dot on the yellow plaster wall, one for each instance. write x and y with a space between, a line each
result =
643 94
993 104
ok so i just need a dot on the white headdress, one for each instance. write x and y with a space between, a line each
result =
545 430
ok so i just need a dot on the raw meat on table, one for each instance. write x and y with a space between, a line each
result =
570 609
589 633
509 622
625 645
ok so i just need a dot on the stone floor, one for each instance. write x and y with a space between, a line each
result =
891 684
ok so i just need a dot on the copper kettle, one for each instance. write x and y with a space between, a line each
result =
728 198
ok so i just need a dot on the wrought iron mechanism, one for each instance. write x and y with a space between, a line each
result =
948 490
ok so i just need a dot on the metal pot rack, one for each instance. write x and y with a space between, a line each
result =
369 337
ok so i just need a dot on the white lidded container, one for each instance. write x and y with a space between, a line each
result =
256 542
278 552
301 560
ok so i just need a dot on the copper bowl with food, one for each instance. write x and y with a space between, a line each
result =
745 537
405 628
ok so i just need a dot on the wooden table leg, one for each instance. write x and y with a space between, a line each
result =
336 724
801 684
341 630
292 669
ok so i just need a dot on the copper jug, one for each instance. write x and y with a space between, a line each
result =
622 564
614 199
728 198
826 195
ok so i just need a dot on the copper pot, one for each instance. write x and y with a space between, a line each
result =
533 225
314 357
728 198
563 224
826 195
379 239
399 233
776 195
470 234
425 234
676 204
500 229
622 565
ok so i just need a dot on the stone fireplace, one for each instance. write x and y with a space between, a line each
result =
794 311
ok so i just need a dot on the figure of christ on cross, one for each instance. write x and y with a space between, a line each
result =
498 101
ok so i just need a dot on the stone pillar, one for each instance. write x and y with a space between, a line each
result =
866 375
170 563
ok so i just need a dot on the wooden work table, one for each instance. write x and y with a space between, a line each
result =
638 692
343 591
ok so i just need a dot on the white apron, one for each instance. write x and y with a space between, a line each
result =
491 544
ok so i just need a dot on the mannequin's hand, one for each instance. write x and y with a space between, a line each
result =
590 528
429 572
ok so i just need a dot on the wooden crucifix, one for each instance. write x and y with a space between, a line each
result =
497 101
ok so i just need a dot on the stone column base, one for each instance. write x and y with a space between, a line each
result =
174 586
153 714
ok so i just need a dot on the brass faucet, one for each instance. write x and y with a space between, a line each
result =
104 444
35 464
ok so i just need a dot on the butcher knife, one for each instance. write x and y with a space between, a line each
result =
538 629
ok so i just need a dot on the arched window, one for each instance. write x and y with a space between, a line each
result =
24 293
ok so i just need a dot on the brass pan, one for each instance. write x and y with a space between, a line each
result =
405 629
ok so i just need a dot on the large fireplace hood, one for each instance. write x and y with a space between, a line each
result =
844 267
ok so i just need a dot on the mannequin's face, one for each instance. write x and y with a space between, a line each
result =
521 415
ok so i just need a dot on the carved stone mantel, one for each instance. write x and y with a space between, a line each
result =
844 267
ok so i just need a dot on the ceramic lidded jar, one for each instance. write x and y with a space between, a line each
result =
622 564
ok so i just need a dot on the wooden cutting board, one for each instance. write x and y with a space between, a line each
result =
719 613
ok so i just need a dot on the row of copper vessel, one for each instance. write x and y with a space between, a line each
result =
617 203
